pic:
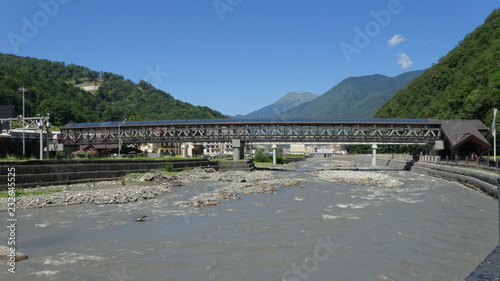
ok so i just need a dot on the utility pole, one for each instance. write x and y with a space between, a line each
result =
23 90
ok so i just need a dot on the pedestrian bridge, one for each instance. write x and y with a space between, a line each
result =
400 131
458 136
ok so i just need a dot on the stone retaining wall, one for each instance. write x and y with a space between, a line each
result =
33 173
241 165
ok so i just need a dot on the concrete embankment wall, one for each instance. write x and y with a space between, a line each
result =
33 173
482 180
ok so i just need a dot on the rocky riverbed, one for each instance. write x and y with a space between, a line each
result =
137 187
235 191
109 195
359 177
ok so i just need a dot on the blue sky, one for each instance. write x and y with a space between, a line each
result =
237 56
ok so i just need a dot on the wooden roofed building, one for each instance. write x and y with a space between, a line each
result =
464 137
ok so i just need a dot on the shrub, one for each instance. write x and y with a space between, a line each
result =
169 167
279 159
260 156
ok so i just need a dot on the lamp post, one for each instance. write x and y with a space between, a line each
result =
120 139
23 90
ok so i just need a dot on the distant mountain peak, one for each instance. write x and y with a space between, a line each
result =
286 102
296 98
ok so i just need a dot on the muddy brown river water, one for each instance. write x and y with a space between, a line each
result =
427 229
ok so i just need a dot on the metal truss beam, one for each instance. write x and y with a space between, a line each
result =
410 133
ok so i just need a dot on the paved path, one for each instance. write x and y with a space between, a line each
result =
489 269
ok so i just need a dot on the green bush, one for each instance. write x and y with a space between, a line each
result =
169 167
261 157
279 159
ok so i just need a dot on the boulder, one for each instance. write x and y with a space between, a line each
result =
5 252
157 177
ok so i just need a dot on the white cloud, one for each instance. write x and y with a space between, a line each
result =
404 60
396 39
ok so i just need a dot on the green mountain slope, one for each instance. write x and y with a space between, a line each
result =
354 97
464 84
53 89
288 101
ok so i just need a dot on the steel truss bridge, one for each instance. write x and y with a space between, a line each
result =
379 131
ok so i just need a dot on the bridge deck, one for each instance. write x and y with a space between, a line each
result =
371 130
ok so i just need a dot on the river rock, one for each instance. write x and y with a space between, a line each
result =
157 176
5 251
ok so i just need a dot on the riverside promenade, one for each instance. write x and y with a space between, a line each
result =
489 269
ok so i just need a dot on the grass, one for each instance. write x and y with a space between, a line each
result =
264 163
15 158
20 192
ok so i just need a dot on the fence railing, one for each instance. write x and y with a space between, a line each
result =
483 162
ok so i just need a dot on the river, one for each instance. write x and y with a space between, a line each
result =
427 229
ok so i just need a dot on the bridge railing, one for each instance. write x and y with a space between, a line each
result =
480 162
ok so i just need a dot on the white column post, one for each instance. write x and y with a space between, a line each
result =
40 127
374 155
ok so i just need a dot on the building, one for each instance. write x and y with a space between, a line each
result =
462 138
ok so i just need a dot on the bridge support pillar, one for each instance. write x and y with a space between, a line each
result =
275 154
185 150
374 155
238 150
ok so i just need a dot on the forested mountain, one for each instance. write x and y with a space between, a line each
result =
464 84
288 101
354 97
53 88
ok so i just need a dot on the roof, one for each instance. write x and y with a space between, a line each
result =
458 132
96 146
247 121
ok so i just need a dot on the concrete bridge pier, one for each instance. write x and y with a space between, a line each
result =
185 150
238 150
374 155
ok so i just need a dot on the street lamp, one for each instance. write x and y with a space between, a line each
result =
23 90
120 139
